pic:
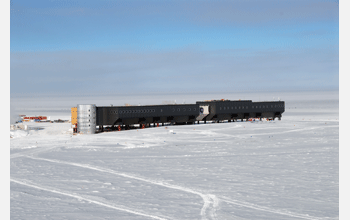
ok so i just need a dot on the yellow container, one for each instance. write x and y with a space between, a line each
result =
74 113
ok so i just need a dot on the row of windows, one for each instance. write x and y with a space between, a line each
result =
147 111
134 111
236 107
276 106
189 109
246 107
184 109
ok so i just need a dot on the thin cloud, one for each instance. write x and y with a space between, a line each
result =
213 70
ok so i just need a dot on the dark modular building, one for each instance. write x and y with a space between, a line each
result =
90 116
128 115
241 109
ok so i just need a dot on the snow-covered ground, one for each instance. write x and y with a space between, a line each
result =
284 169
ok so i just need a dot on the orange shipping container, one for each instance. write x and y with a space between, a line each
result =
74 113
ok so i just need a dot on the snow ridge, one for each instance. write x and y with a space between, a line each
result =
86 199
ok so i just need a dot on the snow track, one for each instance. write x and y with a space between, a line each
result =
210 201
112 206
32 152
210 204
266 209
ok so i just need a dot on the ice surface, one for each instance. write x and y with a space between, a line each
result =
284 169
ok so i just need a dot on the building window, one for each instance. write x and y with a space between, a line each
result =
178 109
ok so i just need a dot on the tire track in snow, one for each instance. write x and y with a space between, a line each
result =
215 204
86 199
209 206
214 133
32 152
266 209
210 201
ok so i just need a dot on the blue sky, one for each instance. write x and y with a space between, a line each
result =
137 47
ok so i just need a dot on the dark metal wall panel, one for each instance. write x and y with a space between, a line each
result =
148 114
218 110
221 107
156 110
106 115
277 106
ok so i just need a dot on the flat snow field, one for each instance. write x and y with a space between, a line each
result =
286 169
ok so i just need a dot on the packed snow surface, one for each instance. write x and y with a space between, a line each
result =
284 169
